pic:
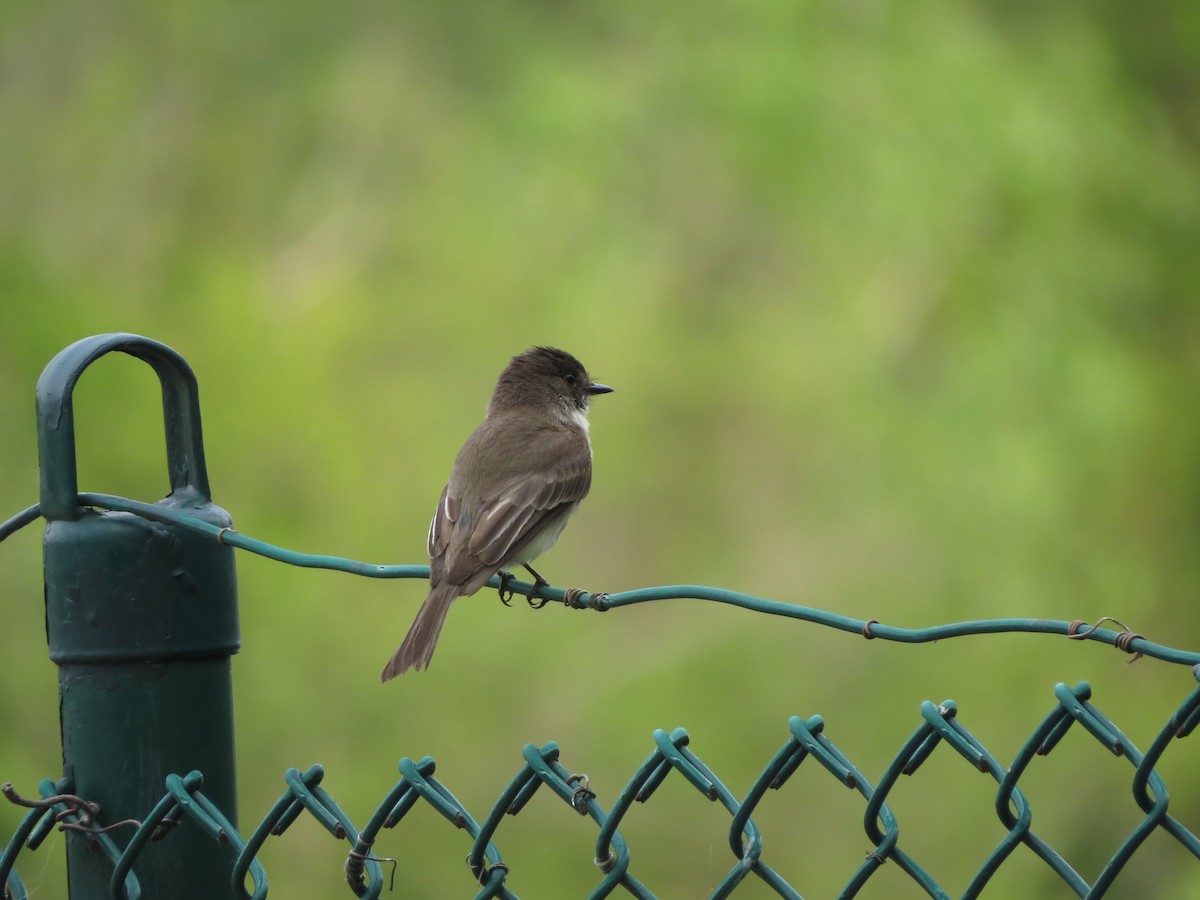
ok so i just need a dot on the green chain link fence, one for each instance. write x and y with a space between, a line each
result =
165 836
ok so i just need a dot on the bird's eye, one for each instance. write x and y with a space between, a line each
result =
569 378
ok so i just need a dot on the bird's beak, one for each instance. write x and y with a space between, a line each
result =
594 388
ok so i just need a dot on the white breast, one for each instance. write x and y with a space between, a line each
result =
546 539
579 417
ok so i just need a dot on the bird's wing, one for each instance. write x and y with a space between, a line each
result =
505 523
441 527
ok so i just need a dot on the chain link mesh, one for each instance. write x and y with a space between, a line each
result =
488 875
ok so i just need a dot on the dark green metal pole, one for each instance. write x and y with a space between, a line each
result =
141 619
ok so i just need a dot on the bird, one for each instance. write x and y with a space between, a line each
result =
513 487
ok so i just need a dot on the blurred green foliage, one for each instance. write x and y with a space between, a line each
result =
900 305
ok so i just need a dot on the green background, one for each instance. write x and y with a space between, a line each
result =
899 301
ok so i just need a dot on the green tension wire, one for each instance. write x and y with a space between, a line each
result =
1125 639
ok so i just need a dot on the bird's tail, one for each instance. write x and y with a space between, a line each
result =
422 637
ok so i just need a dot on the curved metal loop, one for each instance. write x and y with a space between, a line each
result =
56 421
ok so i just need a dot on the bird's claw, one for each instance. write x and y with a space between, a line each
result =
571 596
505 578
536 601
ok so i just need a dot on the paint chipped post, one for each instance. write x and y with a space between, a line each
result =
142 621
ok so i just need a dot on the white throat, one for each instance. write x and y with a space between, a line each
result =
579 417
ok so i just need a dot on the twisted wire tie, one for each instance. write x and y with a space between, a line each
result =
360 855
1122 641
582 794
486 871
86 810
354 862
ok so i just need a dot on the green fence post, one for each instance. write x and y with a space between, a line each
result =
141 619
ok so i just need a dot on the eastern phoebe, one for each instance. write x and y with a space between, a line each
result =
514 485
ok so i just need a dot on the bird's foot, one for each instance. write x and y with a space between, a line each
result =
535 600
505 578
